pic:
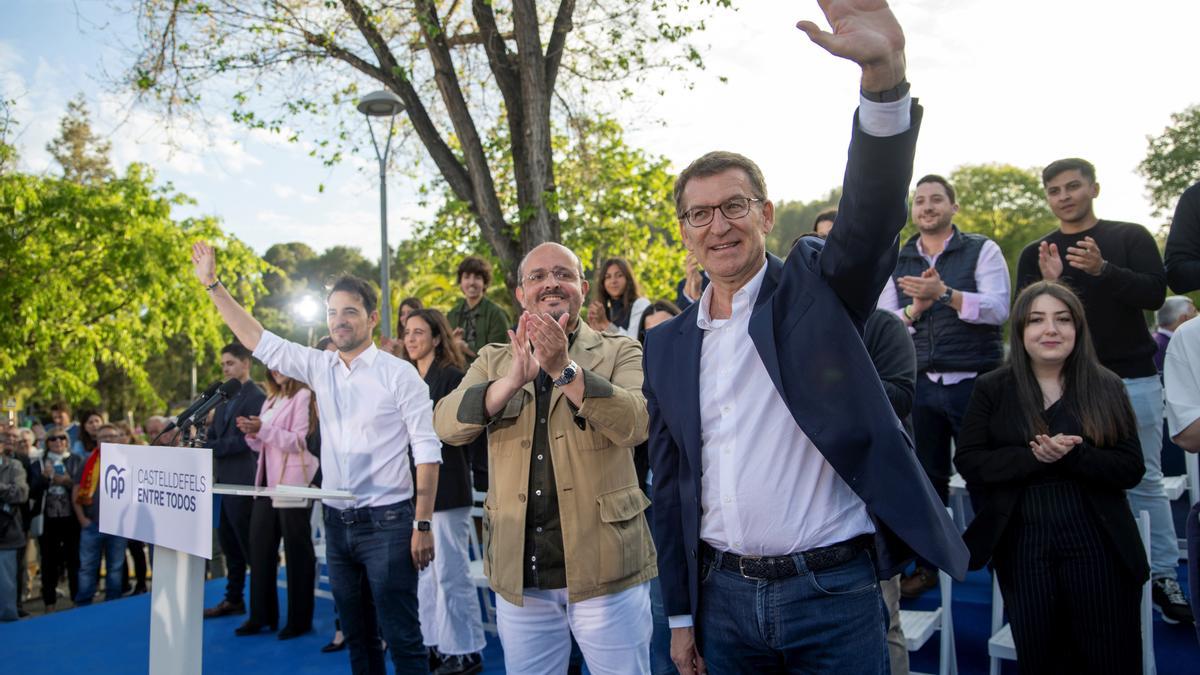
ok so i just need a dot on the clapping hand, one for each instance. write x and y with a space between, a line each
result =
524 367
1050 449
597 317
1085 255
1050 265
249 425
550 343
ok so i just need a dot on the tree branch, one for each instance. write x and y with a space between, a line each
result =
558 38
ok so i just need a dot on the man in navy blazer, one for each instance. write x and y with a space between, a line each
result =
783 482
234 462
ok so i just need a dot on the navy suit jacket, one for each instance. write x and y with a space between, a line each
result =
807 326
233 460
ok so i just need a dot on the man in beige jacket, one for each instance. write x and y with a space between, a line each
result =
567 544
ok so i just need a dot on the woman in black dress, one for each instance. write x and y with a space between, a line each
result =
1048 447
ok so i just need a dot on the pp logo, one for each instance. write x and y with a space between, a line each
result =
114 482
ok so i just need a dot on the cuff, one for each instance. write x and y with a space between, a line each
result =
885 119
970 306
680 621
428 452
595 386
473 408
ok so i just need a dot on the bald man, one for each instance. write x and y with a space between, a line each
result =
568 546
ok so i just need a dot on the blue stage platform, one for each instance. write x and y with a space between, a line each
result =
113 638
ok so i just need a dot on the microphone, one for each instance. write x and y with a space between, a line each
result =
212 389
224 393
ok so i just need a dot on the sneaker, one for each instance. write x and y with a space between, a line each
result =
916 584
460 664
1168 599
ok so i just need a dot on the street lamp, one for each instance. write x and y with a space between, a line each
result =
307 308
382 103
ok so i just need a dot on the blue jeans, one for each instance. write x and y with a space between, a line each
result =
93 543
1146 396
373 545
832 621
8 583
660 639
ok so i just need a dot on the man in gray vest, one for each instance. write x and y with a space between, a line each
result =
952 290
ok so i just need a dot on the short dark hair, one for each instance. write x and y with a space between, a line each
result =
237 350
415 303
60 406
827 214
717 162
934 178
473 264
1053 169
348 283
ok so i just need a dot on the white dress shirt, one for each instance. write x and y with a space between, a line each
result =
1181 377
371 413
988 305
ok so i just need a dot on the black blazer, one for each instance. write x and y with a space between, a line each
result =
454 477
807 327
995 459
233 460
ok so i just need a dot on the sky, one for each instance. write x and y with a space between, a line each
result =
1018 82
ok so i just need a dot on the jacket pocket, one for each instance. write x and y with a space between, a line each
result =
625 533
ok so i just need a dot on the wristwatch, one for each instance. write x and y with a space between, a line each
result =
422 525
568 375
944 298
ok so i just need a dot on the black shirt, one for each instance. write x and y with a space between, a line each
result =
1133 282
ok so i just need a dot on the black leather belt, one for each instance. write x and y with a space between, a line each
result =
769 568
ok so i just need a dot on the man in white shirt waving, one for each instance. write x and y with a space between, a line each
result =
373 407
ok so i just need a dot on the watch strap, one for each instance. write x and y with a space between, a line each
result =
888 95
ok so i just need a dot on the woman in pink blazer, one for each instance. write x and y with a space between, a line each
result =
278 435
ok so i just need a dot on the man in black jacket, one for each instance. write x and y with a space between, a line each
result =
234 462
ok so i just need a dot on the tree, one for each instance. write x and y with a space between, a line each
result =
82 155
1172 162
793 219
518 56
8 152
613 200
95 282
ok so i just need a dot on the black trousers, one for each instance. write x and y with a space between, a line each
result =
234 532
267 525
60 551
937 417
1073 606
137 551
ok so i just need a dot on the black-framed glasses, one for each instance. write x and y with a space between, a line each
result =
57 438
732 208
561 274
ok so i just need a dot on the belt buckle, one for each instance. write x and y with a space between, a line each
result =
349 517
742 567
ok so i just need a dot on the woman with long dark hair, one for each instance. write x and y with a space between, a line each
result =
1048 447
449 612
279 435
618 306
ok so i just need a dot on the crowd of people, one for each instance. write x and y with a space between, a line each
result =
744 480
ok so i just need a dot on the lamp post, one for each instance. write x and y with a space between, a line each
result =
306 308
382 103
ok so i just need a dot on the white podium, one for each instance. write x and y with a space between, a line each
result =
164 496
177 594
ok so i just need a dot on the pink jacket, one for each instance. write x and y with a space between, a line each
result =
280 443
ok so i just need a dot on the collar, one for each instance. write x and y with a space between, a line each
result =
743 300
945 245
1164 331
367 358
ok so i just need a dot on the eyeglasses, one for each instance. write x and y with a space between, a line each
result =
561 275
733 209
57 438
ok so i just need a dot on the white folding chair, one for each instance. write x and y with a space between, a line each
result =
1001 646
478 579
919 626
317 523
960 502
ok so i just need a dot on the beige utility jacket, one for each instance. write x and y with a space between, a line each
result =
606 541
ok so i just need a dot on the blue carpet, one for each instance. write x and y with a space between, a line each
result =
113 638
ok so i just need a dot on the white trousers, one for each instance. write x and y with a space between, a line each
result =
613 632
447 603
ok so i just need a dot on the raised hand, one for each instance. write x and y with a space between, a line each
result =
204 263
928 286
865 32
597 318
1050 265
